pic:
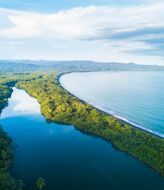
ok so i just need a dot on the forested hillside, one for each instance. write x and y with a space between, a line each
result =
71 66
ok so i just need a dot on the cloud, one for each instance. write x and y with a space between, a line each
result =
127 29
141 33
85 22
21 107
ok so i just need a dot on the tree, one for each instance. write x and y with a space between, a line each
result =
40 183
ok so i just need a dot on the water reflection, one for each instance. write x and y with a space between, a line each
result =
68 158
21 104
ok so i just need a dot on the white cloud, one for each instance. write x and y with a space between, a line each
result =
120 28
82 22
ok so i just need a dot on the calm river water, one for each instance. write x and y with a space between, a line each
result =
68 158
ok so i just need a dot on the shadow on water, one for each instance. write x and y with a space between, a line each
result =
98 137
69 158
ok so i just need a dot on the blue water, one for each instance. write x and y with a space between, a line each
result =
136 97
68 158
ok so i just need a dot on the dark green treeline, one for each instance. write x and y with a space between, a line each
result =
59 106
7 182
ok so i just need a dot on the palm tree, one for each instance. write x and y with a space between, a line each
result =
40 183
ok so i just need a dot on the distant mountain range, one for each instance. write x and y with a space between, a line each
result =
70 66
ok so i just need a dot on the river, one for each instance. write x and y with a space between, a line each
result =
66 157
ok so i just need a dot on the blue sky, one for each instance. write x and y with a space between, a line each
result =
100 30
54 5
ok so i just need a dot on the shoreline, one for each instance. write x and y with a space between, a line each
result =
135 142
103 110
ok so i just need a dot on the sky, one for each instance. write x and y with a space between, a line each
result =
99 30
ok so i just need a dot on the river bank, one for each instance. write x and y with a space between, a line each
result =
76 157
59 106
7 181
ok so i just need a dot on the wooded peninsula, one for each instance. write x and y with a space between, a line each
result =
57 105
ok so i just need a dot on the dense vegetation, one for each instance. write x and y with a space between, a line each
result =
6 82
59 106
5 92
7 182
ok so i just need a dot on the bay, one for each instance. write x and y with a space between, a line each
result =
135 97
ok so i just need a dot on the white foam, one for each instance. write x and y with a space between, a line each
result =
116 115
